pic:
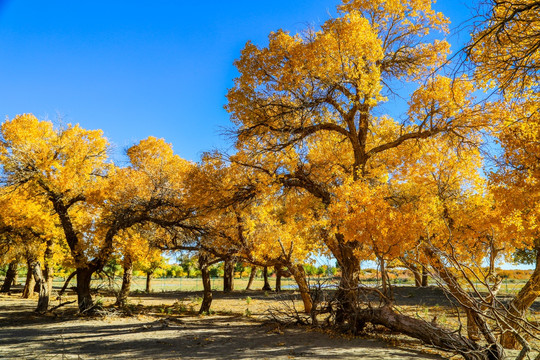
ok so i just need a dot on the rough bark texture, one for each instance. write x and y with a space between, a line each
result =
266 286
519 305
347 293
121 299
84 296
251 277
28 291
429 333
228 276
207 286
149 281
300 277
10 276
42 284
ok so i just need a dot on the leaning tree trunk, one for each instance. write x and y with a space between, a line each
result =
149 281
266 286
84 296
121 299
11 274
300 277
251 277
43 286
207 286
30 283
519 305
228 276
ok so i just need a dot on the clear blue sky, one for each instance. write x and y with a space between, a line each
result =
140 68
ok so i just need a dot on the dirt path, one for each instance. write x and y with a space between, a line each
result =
26 336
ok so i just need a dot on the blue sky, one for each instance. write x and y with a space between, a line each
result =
139 68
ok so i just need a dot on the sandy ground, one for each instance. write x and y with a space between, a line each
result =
165 334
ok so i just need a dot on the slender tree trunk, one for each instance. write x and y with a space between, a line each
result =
207 286
424 277
300 277
228 275
251 277
48 271
28 291
149 281
122 297
10 276
278 277
84 296
41 282
266 286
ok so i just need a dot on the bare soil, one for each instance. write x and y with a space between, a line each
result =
164 326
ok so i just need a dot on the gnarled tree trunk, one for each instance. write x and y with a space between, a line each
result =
519 305
84 296
42 284
11 274
424 277
251 277
121 299
228 276
28 291
207 286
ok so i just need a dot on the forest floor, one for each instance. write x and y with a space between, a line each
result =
166 326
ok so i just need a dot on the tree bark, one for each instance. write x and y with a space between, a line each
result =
28 291
424 277
266 286
84 296
300 277
48 271
347 293
41 282
228 276
277 269
519 305
207 286
251 277
149 281
10 276
429 333
121 299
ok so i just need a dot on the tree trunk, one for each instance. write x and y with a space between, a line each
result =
429 333
228 276
251 277
207 286
10 276
519 305
266 286
48 271
121 299
300 277
149 281
28 291
41 282
424 277
84 296
277 269
347 293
